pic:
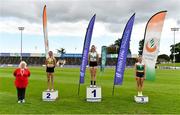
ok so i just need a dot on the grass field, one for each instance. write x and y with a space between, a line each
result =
170 64
164 93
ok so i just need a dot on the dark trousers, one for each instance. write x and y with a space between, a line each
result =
21 93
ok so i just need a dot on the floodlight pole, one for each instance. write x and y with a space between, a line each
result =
21 29
174 30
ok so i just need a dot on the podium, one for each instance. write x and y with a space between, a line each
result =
141 99
50 95
93 94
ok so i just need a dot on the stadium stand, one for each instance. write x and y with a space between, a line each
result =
39 59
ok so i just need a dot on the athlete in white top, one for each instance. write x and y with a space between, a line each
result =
93 56
140 75
93 62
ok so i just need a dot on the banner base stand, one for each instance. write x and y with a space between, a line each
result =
141 99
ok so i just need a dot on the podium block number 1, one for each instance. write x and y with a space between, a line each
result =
94 92
48 95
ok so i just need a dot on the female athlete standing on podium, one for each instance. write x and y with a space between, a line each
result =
93 62
140 75
50 65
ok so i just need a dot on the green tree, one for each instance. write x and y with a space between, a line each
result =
177 52
114 48
163 58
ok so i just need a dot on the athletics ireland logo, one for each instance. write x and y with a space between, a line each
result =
151 45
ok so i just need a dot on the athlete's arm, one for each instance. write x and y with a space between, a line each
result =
55 61
46 61
135 69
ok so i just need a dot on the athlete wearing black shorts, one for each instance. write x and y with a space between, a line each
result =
50 65
93 63
140 75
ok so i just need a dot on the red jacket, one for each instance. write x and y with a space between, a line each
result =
21 75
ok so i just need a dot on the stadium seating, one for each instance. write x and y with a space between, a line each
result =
39 61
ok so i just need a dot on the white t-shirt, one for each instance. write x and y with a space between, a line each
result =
93 56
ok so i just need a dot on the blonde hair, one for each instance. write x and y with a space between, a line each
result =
92 48
21 63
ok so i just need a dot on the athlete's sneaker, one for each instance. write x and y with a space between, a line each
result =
138 93
23 101
91 85
48 90
141 94
94 85
19 101
52 89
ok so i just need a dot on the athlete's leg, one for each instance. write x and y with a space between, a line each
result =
52 81
48 80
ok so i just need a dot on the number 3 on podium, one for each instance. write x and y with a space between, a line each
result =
94 92
142 99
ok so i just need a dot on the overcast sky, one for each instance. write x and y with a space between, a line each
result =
68 20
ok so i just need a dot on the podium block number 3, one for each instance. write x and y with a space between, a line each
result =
94 92
142 99
48 95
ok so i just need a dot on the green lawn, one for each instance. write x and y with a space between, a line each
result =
170 64
164 93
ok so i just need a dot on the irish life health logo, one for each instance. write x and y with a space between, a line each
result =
151 45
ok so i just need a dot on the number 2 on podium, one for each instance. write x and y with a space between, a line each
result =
94 92
48 95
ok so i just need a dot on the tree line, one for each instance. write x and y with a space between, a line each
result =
114 49
164 57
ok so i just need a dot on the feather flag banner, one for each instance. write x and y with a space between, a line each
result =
152 42
46 42
123 50
87 43
103 57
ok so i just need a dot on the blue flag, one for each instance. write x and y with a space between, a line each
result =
121 62
87 43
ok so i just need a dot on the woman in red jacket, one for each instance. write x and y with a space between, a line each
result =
22 73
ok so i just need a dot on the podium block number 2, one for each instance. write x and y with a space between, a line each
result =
94 92
48 95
